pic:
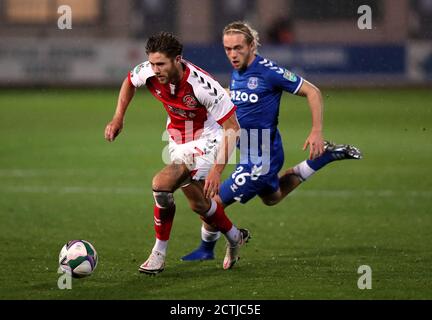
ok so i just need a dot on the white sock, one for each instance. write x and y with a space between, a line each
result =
233 235
161 246
303 171
209 236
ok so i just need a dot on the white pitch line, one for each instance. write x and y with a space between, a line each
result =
71 190
362 193
298 193
29 173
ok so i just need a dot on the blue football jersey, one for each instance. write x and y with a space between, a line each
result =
257 92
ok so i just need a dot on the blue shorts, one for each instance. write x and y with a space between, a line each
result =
244 184
249 180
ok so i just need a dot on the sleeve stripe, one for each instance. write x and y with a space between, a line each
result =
299 86
130 80
225 117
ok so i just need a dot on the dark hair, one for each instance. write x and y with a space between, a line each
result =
166 43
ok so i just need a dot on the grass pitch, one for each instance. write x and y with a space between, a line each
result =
61 181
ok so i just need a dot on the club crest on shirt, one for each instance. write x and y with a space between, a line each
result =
190 101
252 83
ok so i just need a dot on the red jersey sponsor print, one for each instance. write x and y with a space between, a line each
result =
197 105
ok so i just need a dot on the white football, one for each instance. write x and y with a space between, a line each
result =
78 258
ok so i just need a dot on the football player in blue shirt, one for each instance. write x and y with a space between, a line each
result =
256 88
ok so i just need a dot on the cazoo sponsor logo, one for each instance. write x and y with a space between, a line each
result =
243 96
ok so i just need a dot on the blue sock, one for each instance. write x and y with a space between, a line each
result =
207 246
203 252
321 161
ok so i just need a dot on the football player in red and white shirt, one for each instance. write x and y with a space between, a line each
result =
198 109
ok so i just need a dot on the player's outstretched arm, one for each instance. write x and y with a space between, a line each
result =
231 130
315 139
113 128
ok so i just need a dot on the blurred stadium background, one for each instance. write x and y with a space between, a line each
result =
319 39
59 179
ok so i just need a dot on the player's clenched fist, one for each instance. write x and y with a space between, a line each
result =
113 129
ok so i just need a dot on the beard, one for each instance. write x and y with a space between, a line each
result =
245 64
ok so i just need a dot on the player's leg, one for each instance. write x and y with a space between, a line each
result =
213 214
164 184
287 183
209 237
293 177
332 152
238 187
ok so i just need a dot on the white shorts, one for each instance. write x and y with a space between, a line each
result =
198 155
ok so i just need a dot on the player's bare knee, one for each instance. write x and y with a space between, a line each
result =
163 199
170 178
160 184
270 202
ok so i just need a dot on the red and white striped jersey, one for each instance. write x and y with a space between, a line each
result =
197 106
